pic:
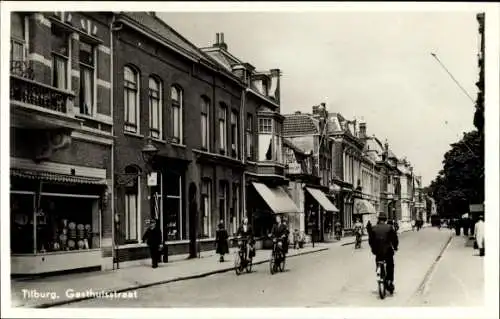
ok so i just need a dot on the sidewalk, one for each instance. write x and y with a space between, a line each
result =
128 279
458 280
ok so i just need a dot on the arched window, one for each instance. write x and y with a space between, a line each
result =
205 120
131 99
131 224
155 108
177 110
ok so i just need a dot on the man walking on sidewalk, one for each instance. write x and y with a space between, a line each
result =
153 238
479 234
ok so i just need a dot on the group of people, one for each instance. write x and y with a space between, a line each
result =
417 224
279 230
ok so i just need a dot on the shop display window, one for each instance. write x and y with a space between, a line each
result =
66 223
22 208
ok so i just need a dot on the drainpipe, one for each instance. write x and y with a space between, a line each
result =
111 99
243 150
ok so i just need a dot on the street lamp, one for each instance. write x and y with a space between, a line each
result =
149 151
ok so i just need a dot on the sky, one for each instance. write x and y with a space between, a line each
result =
374 66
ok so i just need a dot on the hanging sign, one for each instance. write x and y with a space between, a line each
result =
152 179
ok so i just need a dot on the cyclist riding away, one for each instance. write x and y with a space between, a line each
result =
245 231
280 231
383 243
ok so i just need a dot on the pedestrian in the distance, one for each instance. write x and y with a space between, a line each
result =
465 224
153 238
479 235
369 228
221 237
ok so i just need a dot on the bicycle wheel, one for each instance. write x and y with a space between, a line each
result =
249 266
282 264
272 264
382 283
237 264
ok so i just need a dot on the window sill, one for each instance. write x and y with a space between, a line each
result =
95 118
133 134
178 145
159 140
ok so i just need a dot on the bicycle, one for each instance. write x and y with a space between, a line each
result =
358 241
381 279
241 262
278 257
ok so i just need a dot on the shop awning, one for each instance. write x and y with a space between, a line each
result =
321 198
362 207
55 177
277 199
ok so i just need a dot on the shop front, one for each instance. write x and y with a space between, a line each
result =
321 213
56 219
365 211
268 201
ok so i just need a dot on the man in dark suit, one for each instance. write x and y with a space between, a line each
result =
383 243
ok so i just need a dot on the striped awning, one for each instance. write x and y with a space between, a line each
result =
55 177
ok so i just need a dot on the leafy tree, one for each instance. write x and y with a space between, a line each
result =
461 181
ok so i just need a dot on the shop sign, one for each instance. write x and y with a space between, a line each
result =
152 179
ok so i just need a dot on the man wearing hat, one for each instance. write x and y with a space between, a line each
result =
383 243
152 237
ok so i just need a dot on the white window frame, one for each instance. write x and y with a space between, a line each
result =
249 137
207 214
56 55
129 126
159 111
205 123
137 213
224 190
222 128
93 108
24 42
234 134
177 104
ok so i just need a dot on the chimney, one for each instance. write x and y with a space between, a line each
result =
221 43
274 85
362 130
217 40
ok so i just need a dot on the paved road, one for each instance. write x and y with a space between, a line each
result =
339 277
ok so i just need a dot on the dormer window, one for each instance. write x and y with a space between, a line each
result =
265 87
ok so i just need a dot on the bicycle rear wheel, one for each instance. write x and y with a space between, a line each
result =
381 289
237 264
272 264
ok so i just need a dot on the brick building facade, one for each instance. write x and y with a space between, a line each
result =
61 138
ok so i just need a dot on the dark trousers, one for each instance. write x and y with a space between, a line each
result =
481 252
389 261
155 255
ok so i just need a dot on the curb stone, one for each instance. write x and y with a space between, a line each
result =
140 286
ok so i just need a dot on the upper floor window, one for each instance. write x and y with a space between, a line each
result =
177 109
234 134
270 140
222 128
265 125
87 72
155 109
249 136
205 131
17 37
60 57
131 99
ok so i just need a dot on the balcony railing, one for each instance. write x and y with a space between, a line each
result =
22 69
24 89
